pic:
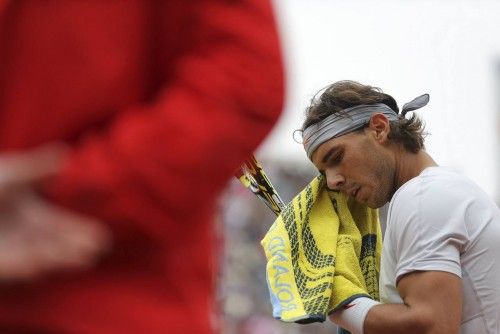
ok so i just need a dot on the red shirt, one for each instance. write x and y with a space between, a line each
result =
160 102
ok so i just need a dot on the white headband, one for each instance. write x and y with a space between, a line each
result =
352 119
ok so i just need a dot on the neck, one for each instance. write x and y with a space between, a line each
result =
410 165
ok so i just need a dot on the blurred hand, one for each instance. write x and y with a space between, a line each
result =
36 236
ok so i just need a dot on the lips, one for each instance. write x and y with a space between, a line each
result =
356 193
353 193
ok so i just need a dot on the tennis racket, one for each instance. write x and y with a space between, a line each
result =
253 177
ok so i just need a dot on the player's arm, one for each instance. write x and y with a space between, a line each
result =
432 304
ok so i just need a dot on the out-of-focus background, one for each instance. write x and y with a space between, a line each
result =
449 49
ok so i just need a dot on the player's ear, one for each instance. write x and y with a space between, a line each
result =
379 127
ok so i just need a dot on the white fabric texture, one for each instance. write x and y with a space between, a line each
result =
442 221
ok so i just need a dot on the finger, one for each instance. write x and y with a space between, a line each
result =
37 238
74 238
27 167
31 252
77 231
54 254
17 258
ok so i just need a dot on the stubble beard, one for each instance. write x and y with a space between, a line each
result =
384 175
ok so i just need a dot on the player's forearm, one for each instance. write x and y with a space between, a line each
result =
397 318
365 316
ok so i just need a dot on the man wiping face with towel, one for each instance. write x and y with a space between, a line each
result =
441 255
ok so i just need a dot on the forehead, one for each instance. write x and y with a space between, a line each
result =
335 143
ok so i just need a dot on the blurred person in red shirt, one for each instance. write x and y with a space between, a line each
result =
120 123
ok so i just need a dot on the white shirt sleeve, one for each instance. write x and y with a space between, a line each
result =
428 231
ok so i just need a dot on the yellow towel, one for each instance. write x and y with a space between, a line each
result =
323 251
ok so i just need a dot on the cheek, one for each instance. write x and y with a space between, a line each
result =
383 176
375 171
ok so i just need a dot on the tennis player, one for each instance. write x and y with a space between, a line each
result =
440 268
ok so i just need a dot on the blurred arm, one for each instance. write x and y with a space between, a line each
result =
176 154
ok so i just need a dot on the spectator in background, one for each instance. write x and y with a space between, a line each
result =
120 122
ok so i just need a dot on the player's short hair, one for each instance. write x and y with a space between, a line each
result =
345 94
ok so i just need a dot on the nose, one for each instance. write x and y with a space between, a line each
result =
334 180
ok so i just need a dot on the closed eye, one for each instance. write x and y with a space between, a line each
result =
336 158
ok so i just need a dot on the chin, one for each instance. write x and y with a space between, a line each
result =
375 204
